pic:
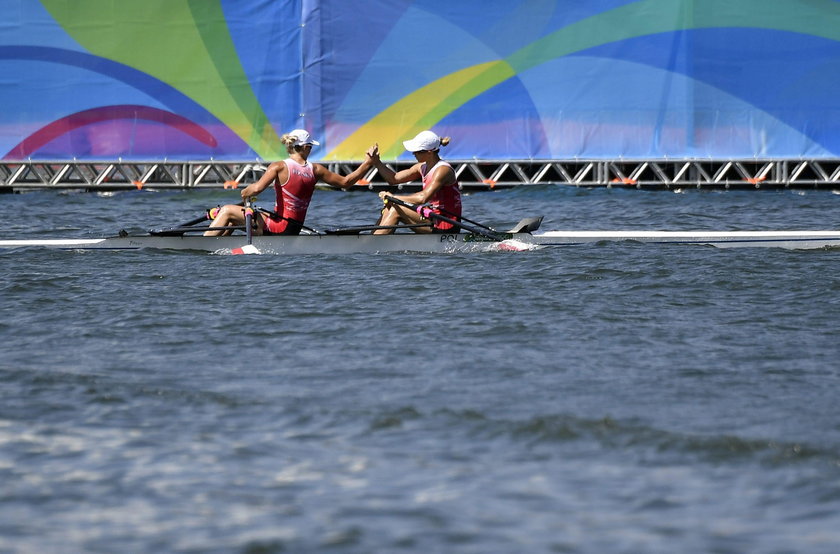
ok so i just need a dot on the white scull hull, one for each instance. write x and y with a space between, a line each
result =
460 242
282 245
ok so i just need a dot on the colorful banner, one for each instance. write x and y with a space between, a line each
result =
532 79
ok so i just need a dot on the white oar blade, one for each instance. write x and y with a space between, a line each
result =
247 249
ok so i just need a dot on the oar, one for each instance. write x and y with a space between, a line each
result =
187 226
197 220
462 218
181 231
249 230
208 214
358 229
424 211
249 220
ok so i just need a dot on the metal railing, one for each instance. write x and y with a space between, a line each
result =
17 176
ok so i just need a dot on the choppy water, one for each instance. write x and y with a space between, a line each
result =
606 398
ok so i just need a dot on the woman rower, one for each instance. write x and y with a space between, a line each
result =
294 181
440 187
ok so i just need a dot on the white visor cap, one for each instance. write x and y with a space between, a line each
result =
302 137
425 140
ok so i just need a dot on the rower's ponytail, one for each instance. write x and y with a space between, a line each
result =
444 141
289 141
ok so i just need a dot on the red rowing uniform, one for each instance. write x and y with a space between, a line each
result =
447 200
293 199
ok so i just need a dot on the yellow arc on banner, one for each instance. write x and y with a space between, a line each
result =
420 110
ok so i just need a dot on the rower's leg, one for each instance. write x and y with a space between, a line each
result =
410 217
229 214
389 217
395 214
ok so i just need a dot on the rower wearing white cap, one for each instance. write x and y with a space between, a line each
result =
294 181
440 191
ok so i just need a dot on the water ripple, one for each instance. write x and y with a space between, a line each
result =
606 398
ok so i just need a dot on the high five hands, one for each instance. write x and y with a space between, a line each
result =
373 153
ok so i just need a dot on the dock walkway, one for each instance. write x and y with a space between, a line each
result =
19 176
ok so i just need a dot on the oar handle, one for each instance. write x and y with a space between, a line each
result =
249 219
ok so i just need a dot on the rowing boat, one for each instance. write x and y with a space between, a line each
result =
287 245
467 236
522 238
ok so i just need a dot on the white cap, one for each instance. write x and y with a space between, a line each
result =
425 140
302 137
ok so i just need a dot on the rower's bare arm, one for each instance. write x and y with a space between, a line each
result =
342 181
406 176
414 198
443 176
275 171
391 177
396 178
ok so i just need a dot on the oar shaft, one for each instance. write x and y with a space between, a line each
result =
462 218
180 231
208 214
358 229
429 213
249 220
195 221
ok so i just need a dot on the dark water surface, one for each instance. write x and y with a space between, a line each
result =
605 398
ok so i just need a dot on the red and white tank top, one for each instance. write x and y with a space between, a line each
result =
294 195
447 200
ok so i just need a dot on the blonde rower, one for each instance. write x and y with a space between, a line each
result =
294 181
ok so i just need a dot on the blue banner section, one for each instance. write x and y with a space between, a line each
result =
526 79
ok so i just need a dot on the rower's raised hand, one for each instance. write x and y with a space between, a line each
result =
373 152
